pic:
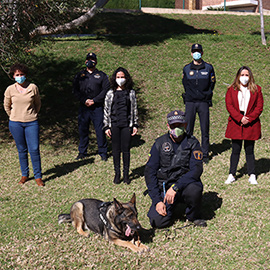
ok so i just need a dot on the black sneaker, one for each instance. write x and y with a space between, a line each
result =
200 223
104 158
81 156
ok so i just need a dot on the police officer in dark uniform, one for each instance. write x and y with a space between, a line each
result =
90 87
199 82
172 174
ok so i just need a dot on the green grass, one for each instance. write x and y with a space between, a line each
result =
154 50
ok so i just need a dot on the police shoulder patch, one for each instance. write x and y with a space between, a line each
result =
198 154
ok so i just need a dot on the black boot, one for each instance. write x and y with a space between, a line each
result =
116 163
126 163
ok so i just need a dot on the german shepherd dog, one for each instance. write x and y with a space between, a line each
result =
116 222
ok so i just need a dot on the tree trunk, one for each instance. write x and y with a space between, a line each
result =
44 30
262 23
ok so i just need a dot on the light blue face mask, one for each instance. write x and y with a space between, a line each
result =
20 79
197 56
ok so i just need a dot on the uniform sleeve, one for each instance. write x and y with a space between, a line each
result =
7 102
150 174
105 86
184 79
195 168
79 95
212 78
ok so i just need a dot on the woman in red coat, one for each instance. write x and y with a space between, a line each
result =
244 102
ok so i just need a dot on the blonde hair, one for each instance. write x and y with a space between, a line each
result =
251 84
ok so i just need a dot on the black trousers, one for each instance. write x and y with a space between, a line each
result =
121 138
202 108
250 158
191 196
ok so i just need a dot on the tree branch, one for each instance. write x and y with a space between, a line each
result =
44 30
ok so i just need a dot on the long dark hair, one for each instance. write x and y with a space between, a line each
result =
251 84
129 82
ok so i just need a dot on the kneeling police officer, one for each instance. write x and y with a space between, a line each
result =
172 174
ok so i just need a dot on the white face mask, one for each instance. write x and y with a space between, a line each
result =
120 81
244 80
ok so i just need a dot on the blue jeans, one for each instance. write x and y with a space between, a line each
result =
26 136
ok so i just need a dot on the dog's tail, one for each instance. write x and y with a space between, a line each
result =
64 218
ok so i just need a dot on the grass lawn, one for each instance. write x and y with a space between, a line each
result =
154 49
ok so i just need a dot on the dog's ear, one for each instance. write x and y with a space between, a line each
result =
133 199
117 205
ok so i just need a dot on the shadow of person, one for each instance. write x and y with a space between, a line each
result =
137 173
216 149
210 203
261 166
65 168
146 235
137 141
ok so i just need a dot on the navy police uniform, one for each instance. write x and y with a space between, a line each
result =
91 86
199 82
178 164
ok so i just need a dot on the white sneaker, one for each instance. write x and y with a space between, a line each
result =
252 179
230 179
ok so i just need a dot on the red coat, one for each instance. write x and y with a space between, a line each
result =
251 131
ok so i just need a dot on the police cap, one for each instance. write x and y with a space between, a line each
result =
176 116
91 56
196 47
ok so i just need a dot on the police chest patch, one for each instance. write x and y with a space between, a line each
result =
198 155
204 72
191 73
97 76
166 147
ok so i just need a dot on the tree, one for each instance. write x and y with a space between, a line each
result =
22 21
45 30
262 23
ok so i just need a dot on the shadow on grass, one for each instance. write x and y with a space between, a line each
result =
262 166
65 168
133 29
217 149
210 203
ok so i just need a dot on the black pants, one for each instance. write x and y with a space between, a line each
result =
86 115
121 138
250 158
203 111
191 196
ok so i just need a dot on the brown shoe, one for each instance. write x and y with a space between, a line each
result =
23 180
40 182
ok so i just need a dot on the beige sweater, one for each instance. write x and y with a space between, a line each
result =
22 107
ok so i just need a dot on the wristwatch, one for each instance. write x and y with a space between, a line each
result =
174 187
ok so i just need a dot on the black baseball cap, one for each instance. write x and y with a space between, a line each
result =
196 47
91 56
176 116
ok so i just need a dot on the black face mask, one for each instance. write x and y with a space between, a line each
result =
90 64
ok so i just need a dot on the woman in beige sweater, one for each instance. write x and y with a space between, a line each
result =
22 104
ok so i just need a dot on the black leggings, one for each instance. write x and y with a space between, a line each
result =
250 158
121 138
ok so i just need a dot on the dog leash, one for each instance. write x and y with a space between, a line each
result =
168 232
